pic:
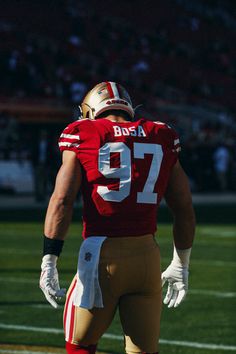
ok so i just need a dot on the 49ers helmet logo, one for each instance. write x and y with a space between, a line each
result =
117 102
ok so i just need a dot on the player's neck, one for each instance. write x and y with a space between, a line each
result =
117 119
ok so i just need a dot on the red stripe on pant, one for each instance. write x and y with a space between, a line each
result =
67 304
72 321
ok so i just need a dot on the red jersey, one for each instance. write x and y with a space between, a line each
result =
125 169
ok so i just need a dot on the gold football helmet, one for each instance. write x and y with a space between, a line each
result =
106 96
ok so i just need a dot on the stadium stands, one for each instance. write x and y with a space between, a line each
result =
175 57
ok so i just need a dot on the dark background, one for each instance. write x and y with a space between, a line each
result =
177 58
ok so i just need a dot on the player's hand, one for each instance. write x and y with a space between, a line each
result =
49 282
177 277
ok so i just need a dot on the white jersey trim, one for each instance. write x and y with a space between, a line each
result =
64 143
178 149
70 136
161 123
176 141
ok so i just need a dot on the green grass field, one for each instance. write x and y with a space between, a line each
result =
203 324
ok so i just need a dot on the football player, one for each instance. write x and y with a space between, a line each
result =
123 169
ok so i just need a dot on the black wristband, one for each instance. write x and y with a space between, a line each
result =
52 246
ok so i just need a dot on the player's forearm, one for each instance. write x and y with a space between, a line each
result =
184 227
58 217
60 207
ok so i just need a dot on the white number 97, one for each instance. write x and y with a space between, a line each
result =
124 171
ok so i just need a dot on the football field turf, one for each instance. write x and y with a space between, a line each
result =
203 324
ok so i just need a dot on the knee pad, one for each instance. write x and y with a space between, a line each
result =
80 349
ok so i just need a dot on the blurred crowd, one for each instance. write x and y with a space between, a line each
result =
172 52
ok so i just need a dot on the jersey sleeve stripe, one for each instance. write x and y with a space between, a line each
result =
70 136
177 149
176 141
67 144
160 123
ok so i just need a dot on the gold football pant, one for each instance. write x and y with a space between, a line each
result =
130 279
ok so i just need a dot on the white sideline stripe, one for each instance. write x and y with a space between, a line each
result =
31 329
216 263
164 259
223 294
215 293
198 345
216 233
19 251
41 306
117 337
20 351
207 262
24 280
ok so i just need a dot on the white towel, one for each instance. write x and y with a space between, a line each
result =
88 293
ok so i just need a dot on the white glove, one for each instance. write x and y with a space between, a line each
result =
177 277
49 282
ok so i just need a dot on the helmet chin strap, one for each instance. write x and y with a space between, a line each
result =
81 113
92 110
137 107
